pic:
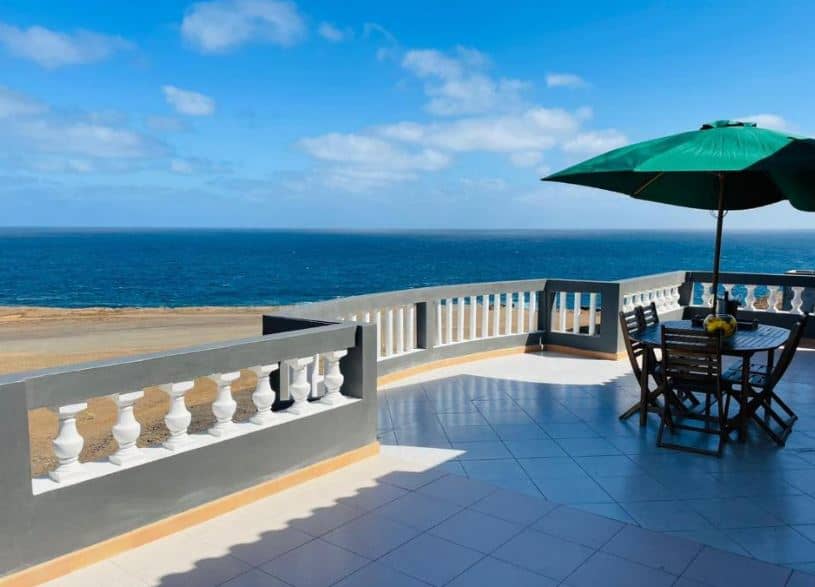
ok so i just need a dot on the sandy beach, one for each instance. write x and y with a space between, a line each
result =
35 338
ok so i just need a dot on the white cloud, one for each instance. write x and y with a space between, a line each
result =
771 121
595 142
15 104
565 80
457 83
372 152
166 124
52 49
332 33
526 158
221 25
535 129
196 165
188 102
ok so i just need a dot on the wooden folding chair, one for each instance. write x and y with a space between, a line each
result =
692 364
760 402
631 323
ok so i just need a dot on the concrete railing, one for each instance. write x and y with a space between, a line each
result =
316 367
81 503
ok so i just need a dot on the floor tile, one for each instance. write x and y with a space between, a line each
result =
666 515
711 537
103 573
611 571
587 447
419 511
653 549
269 545
431 559
724 569
799 579
372 536
325 519
370 498
552 468
779 544
297 567
491 572
541 553
572 490
376 574
569 430
475 530
477 451
608 466
494 469
792 509
734 512
519 431
609 509
253 578
512 507
578 526
412 480
475 433
459 490
531 448
635 487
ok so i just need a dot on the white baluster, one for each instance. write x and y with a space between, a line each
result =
797 300
68 443
400 330
659 299
224 406
508 314
628 302
521 308
496 314
333 378
473 316
178 417
576 313
460 306
707 294
728 288
448 308
127 429
533 302
485 316
592 314
366 317
388 334
263 397
772 302
299 387
750 298
439 315
378 318
410 343
315 378
675 297
353 318
562 305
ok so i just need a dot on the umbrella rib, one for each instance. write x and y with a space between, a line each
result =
647 183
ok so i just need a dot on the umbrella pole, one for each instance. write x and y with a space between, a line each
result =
718 246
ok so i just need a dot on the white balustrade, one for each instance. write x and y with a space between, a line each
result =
439 316
315 378
707 294
508 314
473 317
533 302
178 417
389 332
333 378
592 314
299 387
750 297
224 406
772 301
521 308
410 344
460 319
263 397
485 315
797 302
562 305
378 318
127 429
576 313
68 443
448 309
400 330
496 314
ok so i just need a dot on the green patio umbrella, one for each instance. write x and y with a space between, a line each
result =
725 165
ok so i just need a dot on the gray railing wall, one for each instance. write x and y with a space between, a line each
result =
34 528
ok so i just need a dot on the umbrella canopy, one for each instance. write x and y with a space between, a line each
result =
725 165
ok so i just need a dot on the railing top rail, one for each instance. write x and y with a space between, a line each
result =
789 279
72 383
632 284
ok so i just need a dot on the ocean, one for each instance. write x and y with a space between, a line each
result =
76 268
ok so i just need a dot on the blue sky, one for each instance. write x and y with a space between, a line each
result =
371 114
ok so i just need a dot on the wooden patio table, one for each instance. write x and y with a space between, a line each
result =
744 343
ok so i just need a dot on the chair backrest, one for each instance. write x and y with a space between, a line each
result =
691 356
630 324
796 334
648 315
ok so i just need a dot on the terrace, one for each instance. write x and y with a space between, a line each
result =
502 456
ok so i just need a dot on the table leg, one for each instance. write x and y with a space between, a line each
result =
644 390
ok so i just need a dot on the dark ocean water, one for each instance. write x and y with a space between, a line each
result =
77 268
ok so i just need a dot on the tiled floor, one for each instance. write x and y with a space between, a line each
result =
547 425
462 501
408 523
